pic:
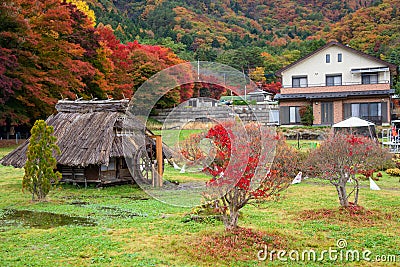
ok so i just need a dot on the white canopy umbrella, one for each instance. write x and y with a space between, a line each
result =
353 122
357 126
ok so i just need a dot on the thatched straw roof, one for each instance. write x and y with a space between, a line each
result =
85 132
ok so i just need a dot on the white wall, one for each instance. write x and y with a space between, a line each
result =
315 67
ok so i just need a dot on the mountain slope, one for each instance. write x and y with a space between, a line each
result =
375 30
223 23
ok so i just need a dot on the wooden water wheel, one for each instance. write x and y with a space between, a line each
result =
146 163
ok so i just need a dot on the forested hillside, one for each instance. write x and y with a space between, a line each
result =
374 30
224 23
267 34
52 49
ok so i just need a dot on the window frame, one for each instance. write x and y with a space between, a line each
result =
334 82
364 77
328 58
366 109
112 165
296 113
192 103
376 111
300 84
340 57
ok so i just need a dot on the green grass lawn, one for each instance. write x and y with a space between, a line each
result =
171 137
5 150
129 228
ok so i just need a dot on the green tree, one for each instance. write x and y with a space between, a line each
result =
242 59
40 164
394 57
306 115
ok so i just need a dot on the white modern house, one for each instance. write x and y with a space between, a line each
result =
339 82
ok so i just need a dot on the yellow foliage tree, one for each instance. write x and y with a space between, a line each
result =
84 7
258 74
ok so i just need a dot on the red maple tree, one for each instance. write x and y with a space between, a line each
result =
250 163
340 157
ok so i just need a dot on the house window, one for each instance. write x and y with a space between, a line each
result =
294 114
367 111
355 110
274 116
289 115
376 112
369 78
339 57
299 81
333 80
110 167
328 58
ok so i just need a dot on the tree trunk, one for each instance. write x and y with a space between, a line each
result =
231 220
231 214
341 189
33 192
356 188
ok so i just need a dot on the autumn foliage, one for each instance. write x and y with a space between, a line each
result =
245 166
207 26
340 157
51 49
372 29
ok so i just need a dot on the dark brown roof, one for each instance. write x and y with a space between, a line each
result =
327 95
86 133
392 67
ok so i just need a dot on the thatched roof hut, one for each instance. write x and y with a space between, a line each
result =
90 140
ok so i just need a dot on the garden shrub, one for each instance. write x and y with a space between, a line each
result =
393 172
306 115
340 157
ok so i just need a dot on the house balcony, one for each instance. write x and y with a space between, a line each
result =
348 87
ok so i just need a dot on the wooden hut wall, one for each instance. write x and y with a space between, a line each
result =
79 174
123 171
108 173
116 171
92 173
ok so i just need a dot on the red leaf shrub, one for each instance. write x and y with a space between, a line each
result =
340 157
367 173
